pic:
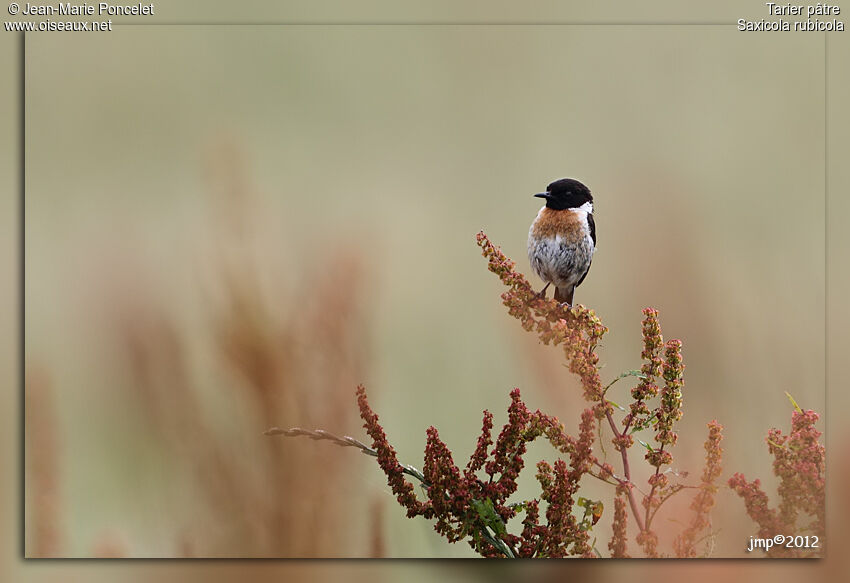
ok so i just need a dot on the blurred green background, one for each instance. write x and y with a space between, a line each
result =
165 163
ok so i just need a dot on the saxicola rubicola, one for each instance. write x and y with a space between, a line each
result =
562 238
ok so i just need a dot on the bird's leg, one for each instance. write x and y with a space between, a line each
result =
542 293
564 298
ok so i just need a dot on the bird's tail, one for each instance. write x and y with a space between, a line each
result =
564 294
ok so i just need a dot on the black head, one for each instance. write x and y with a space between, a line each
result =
566 193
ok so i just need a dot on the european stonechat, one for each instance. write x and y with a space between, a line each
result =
562 238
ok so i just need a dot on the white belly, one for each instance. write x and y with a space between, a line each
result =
560 262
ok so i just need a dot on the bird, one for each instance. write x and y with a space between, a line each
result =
562 239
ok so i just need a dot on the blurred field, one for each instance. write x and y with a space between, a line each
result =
235 236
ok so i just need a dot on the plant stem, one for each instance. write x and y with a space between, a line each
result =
627 473
652 491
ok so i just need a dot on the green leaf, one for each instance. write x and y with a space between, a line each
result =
639 427
645 444
628 373
774 444
793 402
592 512
487 513
519 506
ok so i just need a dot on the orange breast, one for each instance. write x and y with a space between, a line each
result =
566 223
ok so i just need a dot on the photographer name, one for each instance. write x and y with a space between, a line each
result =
101 9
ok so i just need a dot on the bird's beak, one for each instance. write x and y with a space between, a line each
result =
542 195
